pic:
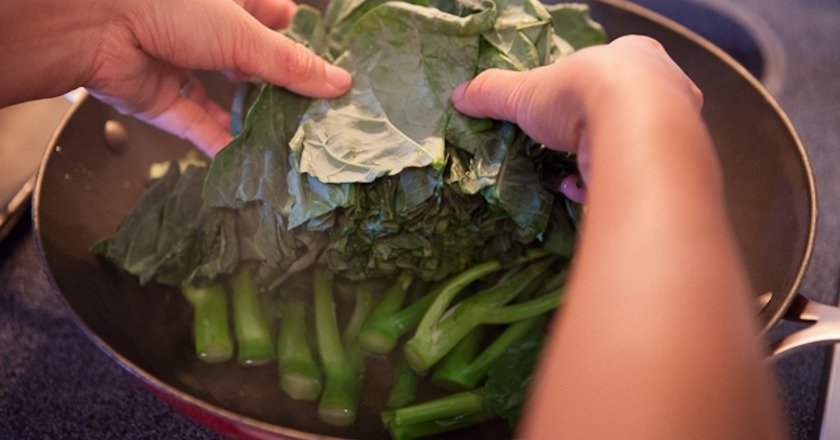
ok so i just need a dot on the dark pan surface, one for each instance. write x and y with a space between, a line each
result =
85 188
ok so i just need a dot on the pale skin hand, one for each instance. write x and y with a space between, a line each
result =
658 338
136 56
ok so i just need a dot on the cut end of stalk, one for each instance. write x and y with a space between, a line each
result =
300 386
215 355
337 416
414 359
374 342
254 354
253 361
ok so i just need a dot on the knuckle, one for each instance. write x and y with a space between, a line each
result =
193 126
640 41
651 42
698 95
500 93
298 64
479 86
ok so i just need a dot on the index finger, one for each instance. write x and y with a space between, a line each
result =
218 35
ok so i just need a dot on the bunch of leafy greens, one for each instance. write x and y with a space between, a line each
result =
387 177
387 181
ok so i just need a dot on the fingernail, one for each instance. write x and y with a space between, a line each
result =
573 188
337 77
458 93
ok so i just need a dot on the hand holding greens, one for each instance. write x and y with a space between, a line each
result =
450 229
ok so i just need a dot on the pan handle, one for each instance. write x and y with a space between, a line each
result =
824 330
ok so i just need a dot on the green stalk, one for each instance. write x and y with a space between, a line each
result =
362 309
394 297
300 374
450 290
448 371
380 334
469 375
446 414
341 393
253 337
454 405
456 284
524 310
404 390
433 341
211 329
426 429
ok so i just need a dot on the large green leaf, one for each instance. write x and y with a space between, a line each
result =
520 38
311 198
387 178
520 191
254 166
406 59
573 29
171 237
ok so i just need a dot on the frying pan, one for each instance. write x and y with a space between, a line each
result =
96 165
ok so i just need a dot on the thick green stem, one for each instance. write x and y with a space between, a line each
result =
524 310
471 374
426 429
454 286
450 290
394 297
253 338
341 392
300 374
404 390
211 328
433 341
381 335
448 371
454 405
362 309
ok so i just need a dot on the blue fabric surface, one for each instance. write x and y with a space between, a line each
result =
54 382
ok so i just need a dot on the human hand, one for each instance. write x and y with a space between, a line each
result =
655 237
136 55
563 104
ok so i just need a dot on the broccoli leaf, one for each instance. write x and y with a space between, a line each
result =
521 37
254 166
519 190
307 27
388 177
574 28
406 60
171 237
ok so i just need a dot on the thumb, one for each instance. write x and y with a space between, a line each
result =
495 94
528 99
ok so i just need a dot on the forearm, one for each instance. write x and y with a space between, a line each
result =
658 334
47 46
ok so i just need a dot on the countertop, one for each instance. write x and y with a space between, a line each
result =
54 383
